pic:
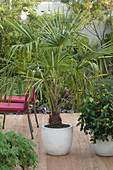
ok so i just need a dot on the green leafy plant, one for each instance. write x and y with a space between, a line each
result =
97 111
65 1
16 150
13 10
65 99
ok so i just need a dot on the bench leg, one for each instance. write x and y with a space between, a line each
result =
34 108
4 120
30 126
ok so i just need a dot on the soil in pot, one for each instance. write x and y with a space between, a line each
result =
57 126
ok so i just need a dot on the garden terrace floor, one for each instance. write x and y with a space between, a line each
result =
81 155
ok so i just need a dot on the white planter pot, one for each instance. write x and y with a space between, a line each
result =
103 148
57 141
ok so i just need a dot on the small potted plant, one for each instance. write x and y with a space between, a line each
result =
96 116
15 151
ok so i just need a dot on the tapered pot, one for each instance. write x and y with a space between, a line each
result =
103 148
57 141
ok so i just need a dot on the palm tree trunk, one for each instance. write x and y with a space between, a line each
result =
54 119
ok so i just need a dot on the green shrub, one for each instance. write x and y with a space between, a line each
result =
15 149
8 35
97 111
65 1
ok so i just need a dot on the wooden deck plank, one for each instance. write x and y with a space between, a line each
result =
81 155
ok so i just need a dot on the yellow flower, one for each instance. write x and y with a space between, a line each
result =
103 95
107 118
111 139
90 6
107 124
99 110
103 85
112 102
106 3
112 121
98 102
99 123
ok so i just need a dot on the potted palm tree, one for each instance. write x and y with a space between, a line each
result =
48 61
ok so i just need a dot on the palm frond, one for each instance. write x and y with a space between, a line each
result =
21 28
58 29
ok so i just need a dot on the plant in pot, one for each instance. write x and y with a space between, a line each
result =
96 116
16 151
48 62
